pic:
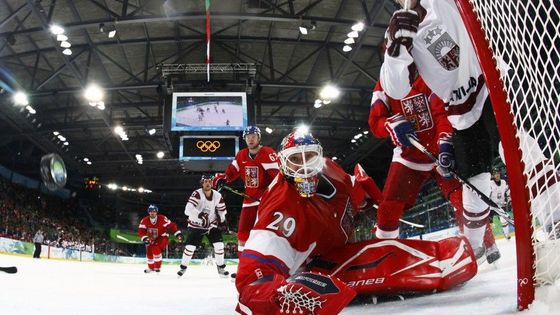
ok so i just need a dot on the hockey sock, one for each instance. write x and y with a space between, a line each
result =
187 254
219 253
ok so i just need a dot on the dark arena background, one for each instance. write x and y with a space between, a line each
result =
126 93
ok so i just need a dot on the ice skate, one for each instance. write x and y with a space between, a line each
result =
479 254
181 271
148 270
492 254
222 271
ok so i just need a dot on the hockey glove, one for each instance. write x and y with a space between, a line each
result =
399 128
446 157
219 181
402 30
146 240
313 293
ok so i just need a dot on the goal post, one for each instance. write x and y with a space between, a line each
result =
517 45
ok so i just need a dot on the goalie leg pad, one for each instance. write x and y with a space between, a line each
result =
400 266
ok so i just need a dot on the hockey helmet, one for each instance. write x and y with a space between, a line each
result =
152 208
206 177
301 160
252 130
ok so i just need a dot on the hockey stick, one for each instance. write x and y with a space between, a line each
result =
237 192
462 180
8 269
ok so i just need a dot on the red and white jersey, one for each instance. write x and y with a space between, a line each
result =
423 109
290 229
499 192
157 228
445 58
205 212
256 173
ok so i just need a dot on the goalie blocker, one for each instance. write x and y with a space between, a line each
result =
400 266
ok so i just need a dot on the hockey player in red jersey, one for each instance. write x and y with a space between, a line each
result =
153 231
256 165
306 213
422 115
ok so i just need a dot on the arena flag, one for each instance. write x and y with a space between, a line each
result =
207 5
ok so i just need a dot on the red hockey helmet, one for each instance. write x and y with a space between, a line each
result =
301 159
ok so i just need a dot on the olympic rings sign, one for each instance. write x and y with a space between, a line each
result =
208 146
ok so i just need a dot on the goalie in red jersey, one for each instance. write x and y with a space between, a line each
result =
306 215
153 231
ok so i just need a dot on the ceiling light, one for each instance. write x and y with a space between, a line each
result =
353 34
86 159
302 128
365 132
67 52
160 155
326 102
329 92
303 30
61 37
358 27
112 186
93 93
268 130
141 189
349 41
66 143
20 98
346 48
56 29
152 132
61 138
65 44
112 33
88 162
353 140
317 105
31 110
334 158
101 105
56 133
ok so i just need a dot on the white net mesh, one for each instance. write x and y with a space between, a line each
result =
524 38
298 301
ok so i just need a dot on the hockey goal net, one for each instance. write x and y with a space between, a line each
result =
518 46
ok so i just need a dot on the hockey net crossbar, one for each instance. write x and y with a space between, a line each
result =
518 46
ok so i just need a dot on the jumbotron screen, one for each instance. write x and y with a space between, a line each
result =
209 111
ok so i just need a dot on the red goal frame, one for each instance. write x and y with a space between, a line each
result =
512 152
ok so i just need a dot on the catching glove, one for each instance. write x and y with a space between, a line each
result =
399 128
403 27
180 237
446 157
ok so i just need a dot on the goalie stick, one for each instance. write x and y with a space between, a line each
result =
8 269
497 209
237 192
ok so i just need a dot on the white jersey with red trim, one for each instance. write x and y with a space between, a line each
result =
445 58
499 192
205 212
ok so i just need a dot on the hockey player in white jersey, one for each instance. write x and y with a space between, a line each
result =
206 211
499 193
431 38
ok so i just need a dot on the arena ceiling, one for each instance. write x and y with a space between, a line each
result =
290 70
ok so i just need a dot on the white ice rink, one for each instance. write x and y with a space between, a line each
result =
50 287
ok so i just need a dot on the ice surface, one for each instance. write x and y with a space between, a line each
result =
66 287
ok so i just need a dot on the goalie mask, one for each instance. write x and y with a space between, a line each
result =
301 161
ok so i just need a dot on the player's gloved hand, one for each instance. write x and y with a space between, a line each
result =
446 157
146 240
402 29
180 237
219 181
224 228
313 293
399 128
